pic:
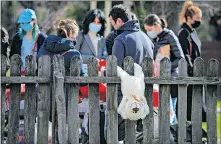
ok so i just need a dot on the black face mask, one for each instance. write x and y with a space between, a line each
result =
196 24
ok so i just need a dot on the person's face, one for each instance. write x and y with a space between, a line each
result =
73 35
27 26
116 24
196 17
152 31
195 21
96 21
154 27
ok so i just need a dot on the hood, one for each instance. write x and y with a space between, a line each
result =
131 25
56 44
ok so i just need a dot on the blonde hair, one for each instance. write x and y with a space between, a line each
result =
67 27
189 9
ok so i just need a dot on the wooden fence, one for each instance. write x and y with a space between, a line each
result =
51 80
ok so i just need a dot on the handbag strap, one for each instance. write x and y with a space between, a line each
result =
35 45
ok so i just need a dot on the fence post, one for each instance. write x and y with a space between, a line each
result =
164 102
211 100
94 108
58 80
148 122
73 93
196 115
130 132
112 103
58 66
14 105
182 103
30 102
44 69
3 97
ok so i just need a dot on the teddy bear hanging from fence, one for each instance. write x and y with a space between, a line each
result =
133 105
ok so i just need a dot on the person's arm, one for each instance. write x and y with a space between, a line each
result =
118 51
13 49
104 50
176 51
79 41
184 42
110 42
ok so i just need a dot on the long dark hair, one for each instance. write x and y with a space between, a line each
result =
90 17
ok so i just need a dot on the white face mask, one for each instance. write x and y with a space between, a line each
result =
152 34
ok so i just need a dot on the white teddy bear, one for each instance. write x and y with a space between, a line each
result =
133 105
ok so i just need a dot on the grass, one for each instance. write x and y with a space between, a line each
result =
204 124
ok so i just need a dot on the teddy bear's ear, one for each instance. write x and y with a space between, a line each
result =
138 71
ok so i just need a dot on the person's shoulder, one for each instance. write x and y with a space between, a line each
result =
183 32
111 35
42 35
16 36
171 34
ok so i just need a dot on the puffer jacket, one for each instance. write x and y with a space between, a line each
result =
168 37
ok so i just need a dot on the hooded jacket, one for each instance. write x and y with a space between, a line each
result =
64 46
131 41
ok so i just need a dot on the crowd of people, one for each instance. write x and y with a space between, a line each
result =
126 39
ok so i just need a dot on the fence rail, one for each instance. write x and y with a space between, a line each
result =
51 81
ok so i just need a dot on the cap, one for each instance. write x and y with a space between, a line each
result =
26 16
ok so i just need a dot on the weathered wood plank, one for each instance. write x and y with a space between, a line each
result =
211 100
3 96
14 99
182 103
130 137
196 115
58 66
44 69
61 106
73 93
148 122
112 104
94 109
27 79
30 102
164 100
147 80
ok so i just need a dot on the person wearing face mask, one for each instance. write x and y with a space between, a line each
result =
90 41
112 35
166 44
29 39
190 17
161 36
128 41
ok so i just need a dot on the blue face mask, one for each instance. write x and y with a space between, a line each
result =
94 28
27 27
